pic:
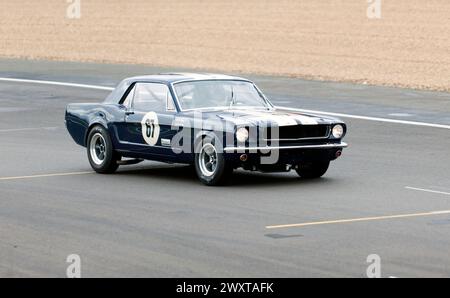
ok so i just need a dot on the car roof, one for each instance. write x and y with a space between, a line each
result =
165 78
178 77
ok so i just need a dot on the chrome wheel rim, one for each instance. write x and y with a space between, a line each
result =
98 149
208 160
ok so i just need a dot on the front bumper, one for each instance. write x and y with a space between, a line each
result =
294 147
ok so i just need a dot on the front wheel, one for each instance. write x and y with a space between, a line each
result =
101 154
312 170
210 165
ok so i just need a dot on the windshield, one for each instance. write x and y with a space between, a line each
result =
214 94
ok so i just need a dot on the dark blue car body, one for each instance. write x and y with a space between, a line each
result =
308 140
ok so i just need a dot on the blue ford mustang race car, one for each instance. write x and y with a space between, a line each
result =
216 123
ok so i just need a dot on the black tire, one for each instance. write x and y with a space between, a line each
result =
313 170
106 163
221 173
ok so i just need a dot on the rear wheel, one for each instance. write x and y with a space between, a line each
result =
210 164
101 154
312 170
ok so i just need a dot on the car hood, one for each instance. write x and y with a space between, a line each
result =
278 117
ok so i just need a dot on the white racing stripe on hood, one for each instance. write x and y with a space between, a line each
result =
282 119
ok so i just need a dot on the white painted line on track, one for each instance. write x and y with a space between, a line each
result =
401 115
44 176
376 119
428 190
367 118
27 129
12 80
340 221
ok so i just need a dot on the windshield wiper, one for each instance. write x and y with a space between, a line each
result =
233 99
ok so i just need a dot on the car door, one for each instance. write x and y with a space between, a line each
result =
147 127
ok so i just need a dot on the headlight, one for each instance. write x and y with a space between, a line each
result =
338 131
242 134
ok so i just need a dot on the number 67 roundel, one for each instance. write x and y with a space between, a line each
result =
150 128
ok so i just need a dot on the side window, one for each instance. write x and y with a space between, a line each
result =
152 97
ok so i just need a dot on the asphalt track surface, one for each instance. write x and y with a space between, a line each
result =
157 220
